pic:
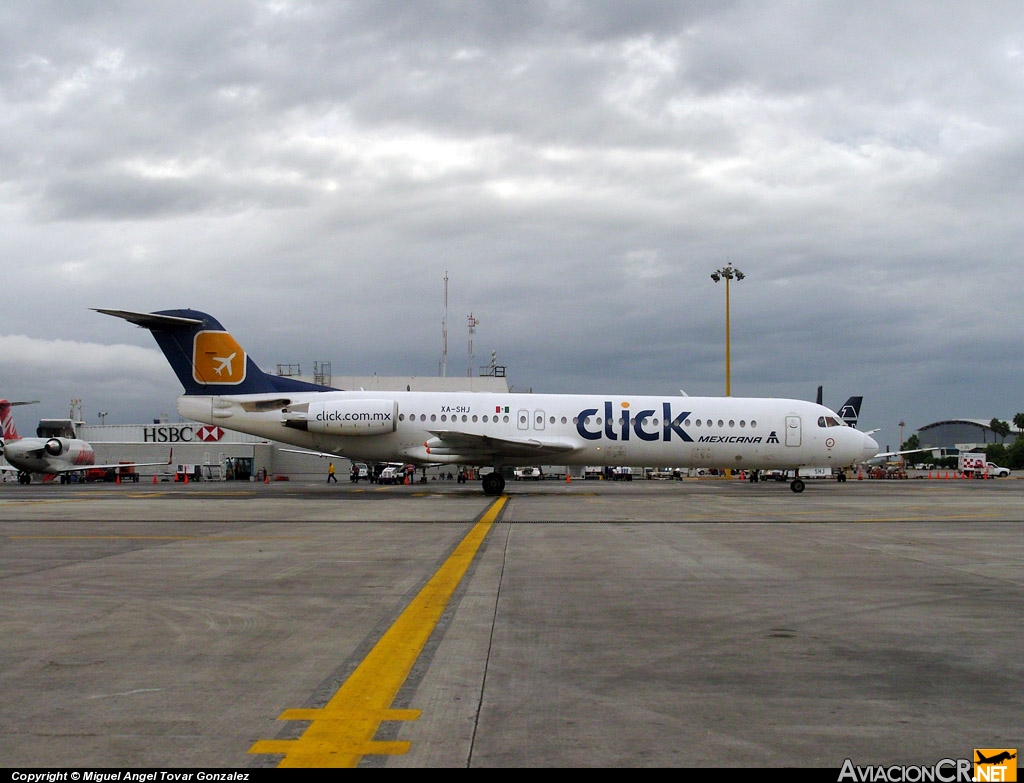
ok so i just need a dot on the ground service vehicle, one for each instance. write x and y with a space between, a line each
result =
528 474
975 465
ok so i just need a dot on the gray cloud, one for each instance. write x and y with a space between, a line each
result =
308 172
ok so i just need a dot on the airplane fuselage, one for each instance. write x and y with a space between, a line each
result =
493 429
48 455
456 427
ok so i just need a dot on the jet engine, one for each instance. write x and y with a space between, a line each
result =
54 447
345 417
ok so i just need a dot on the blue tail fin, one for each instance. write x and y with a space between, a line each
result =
205 357
850 412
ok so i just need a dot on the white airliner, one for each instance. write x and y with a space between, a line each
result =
55 452
498 430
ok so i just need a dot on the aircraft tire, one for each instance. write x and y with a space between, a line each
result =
493 484
797 486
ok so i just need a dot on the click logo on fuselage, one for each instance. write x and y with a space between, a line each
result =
638 425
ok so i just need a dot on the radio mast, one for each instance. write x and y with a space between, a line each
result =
444 331
472 330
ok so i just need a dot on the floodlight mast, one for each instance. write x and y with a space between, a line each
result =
727 273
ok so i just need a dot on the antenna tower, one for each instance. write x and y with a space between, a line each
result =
472 330
444 331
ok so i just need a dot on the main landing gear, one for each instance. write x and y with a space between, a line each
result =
493 483
797 485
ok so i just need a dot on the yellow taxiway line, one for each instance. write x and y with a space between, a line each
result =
341 732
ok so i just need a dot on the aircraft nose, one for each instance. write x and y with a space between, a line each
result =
869 449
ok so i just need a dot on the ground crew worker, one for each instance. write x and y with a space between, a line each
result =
330 474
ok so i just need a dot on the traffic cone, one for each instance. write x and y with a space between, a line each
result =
117 478
154 478
568 476
186 479
266 478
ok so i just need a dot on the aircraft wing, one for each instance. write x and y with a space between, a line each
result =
881 454
73 468
321 454
53 470
484 448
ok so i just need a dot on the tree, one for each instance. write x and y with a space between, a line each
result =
913 442
1000 428
1018 422
997 453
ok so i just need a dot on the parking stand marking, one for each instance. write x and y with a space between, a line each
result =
341 732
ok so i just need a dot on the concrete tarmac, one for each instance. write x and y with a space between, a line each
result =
698 623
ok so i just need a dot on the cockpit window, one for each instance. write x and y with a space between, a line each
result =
829 421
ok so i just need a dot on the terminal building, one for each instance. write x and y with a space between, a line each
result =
959 434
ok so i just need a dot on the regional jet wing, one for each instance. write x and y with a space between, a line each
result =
111 466
53 470
480 447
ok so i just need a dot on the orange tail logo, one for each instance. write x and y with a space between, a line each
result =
217 358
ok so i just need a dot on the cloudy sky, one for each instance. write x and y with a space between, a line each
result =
308 171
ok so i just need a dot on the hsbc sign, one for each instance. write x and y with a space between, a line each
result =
181 433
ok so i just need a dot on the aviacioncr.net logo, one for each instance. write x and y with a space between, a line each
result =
944 771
